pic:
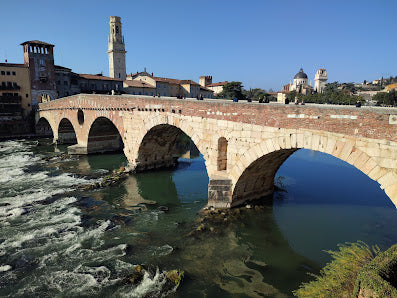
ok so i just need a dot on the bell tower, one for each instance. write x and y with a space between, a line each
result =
320 80
116 50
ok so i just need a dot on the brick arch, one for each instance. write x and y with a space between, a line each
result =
67 133
52 123
277 149
142 125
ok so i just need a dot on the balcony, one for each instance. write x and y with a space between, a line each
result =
10 87
10 99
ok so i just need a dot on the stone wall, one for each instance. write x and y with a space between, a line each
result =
259 136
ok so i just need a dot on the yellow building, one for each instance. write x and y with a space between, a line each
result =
391 87
16 98
143 83
217 87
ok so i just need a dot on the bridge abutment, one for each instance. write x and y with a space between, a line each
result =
77 149
220 191
164 162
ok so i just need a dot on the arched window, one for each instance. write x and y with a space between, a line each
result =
44 98
222 154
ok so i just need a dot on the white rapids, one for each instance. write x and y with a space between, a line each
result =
44 248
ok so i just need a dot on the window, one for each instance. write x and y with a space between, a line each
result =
8 73
65 83
117 29
3 72
13 73
27 95
222 154
44 98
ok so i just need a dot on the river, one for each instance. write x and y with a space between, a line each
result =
59 240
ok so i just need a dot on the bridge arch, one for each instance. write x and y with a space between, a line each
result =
104 136
161 147
253 176
45 128
66 132
147 127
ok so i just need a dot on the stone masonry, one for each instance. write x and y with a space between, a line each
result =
260 137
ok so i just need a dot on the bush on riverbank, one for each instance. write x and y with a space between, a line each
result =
338 278
379 277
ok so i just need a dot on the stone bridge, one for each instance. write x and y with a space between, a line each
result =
243 144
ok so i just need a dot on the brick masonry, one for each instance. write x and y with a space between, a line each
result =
257 135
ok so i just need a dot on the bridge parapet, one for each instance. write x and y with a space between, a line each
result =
369 122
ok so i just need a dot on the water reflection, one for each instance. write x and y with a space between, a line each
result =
265 252
328 201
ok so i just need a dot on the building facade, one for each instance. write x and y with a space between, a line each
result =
320 80
39 58
217 87
116 50
206 83
89 83
143 83
300 84
63 80
15 100
15 94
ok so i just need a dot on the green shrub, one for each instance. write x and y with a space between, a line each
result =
338 278
379 277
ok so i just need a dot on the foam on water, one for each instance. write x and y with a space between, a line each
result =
4 268
44 245
150 286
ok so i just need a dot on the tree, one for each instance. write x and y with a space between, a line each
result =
331 87
386 98
232 90
291 96
254 94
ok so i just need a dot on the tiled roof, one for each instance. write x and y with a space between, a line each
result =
206 89
218 84
61 67
13 65
138 83
166 80
97 77
184 82
132 74
37 42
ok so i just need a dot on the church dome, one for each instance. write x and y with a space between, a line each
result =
300 75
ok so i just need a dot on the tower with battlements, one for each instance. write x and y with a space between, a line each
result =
116 50
205 81
320 80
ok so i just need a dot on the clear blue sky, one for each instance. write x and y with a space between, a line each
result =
261 43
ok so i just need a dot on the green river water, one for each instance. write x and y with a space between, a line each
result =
57 240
